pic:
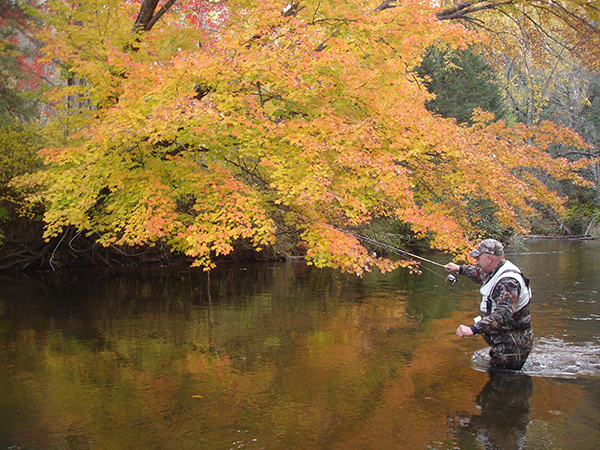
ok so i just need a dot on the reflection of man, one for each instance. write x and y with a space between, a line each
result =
504 403
505 321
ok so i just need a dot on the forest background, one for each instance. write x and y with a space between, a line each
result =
196 131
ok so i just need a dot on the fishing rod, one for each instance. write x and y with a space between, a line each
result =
450 277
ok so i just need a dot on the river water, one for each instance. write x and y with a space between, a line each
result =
286 356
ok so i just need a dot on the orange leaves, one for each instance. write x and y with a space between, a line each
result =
498 163
222 211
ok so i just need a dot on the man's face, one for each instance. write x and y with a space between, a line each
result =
486 262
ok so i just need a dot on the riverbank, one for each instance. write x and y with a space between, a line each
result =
77 250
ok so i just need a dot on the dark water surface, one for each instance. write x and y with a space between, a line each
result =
286 356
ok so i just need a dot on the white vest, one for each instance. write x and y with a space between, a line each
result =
508 269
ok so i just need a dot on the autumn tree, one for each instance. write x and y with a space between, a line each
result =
569 24
17 110
575 103
304 119
19 127
547 55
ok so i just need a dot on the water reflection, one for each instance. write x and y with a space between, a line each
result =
504 404
285 356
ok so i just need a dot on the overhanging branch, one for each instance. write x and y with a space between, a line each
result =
463 10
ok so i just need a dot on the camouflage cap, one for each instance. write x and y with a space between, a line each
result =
489 246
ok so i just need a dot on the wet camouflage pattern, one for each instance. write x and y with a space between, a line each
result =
508 333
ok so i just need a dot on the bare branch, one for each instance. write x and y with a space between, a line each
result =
464 9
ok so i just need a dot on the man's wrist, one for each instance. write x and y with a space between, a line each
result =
474 329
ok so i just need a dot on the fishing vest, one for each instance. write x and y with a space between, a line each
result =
508 269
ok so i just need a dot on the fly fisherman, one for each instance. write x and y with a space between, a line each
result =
505 321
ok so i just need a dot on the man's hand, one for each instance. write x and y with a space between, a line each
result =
464 331
452 268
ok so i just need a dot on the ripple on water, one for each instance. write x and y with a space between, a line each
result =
552 357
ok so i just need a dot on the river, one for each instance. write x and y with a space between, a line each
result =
286 356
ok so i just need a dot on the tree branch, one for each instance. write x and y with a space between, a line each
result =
147 18
387 4
292 9
464 9
159 14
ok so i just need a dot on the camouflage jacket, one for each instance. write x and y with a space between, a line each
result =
506 293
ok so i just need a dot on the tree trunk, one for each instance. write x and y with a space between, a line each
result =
148 17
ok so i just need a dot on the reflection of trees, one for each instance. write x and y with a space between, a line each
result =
139 360
286 355
504 402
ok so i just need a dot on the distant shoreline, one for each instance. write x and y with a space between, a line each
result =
573 237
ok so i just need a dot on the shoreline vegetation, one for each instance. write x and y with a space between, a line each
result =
573 237
74 250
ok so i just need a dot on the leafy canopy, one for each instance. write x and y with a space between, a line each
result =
308 117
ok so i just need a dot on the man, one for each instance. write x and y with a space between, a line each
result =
505 321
